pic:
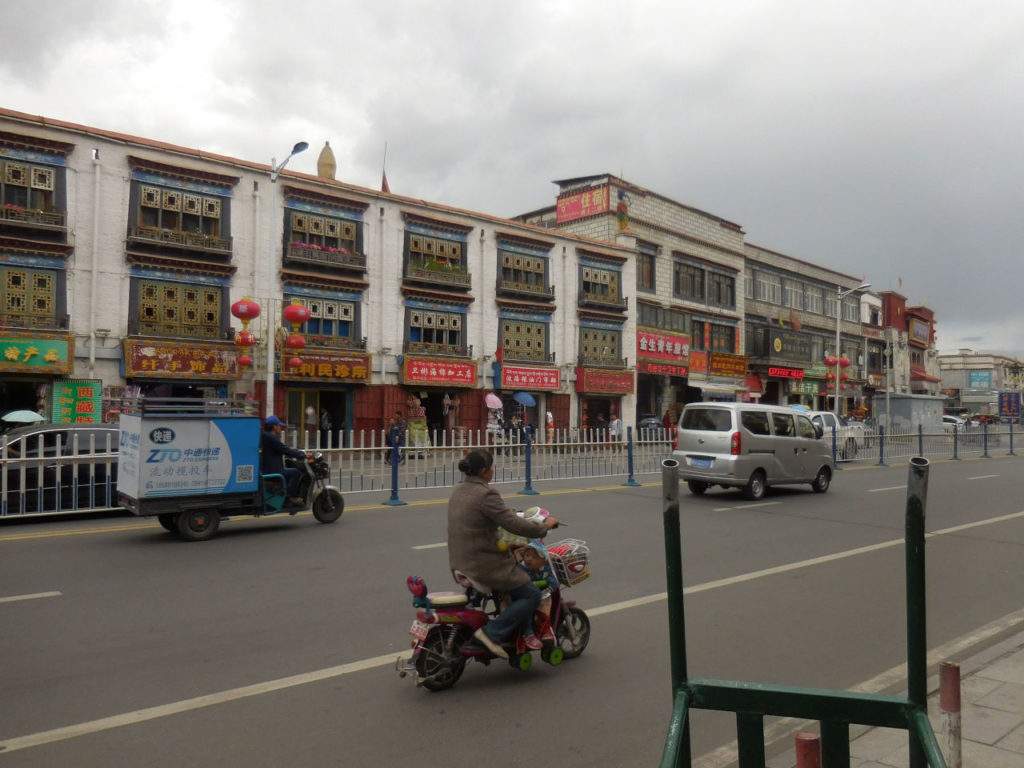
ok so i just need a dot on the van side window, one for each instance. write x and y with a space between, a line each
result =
805 428
707 419
783 423
755 422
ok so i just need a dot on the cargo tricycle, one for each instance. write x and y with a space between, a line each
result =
191 463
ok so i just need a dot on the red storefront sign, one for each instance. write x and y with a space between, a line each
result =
581 204
786 373
517 377
698 362
662 346
323 366
604 382
168 359
660 369
723 364
430 371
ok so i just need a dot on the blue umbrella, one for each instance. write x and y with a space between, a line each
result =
524 398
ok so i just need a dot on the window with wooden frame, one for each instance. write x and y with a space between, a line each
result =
600 282
721 290
600 346
180 309
646 258
435 253
175 209
328 318
529 272
27 185
436 328
28 297
326 232
523 340
688 281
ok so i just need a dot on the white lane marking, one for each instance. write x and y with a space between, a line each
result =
257 689
892 488
432 546
747 506
34 596
981 477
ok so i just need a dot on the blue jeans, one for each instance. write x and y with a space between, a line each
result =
525 600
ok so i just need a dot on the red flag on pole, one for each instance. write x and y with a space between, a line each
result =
384 182
797 325
499 354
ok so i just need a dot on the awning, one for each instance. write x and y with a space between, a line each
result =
715 386
923 377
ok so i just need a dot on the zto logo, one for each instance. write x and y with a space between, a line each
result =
162 435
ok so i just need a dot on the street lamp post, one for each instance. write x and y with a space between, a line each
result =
840 295
275 170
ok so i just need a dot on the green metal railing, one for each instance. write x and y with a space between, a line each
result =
834 710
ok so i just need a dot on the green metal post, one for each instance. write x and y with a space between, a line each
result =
835 744
917 644
674 578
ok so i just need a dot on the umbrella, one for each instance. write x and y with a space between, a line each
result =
800 407
524 398
22 417
492 400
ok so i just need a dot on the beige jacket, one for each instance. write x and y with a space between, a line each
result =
475 510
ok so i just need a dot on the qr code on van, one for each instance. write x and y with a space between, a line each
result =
244 473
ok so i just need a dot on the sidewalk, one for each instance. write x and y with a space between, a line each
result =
991 716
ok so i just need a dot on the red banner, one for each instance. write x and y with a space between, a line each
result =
516 377
177 360
582 204
604 382
657 345
661 369
324 366
428 370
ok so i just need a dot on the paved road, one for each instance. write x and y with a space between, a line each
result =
273 643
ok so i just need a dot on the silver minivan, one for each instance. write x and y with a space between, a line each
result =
750 446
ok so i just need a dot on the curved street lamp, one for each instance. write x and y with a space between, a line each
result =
840 295
275 170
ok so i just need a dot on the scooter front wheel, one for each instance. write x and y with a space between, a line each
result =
573 632
439 665
329 505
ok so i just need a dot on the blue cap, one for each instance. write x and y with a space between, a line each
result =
273 421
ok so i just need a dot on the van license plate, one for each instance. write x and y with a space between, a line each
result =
699 461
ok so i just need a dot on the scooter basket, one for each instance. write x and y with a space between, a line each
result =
570 560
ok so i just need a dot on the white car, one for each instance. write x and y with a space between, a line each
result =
951 423
849 434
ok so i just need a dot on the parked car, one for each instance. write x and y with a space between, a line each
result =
849 434
648 422
951 423
751 447
84 453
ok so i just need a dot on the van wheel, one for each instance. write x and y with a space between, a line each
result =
697 487
754 489
821 482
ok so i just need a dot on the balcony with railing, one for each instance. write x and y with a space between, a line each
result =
594 360
336 342
25 321
604 301
17 219
142 234
442 350
325 256
437 272
526 356
533 290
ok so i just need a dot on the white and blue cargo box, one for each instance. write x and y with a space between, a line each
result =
188 448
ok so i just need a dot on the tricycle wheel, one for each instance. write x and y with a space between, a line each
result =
521 661
328 506
552 656
168 522
198 524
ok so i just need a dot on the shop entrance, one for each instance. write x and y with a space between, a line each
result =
27 395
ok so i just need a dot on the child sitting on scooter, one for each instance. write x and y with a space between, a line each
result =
534 560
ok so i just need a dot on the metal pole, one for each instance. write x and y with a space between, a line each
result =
839 319
674 578
629 457
917 646
528 489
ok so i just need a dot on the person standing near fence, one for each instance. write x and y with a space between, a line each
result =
325 428
615 432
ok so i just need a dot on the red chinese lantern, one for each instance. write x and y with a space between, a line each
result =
295 362
244 360
831 386
822 393
844 361
830 375
296 314
844 376
245 310
830 361
244 339
295 341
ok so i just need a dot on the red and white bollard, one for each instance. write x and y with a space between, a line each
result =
808 750
949 705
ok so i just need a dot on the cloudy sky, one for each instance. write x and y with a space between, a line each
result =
880 139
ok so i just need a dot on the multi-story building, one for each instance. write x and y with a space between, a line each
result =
688 263
974 382
122 258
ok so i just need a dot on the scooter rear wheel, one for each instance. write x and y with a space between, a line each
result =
573 632
439 664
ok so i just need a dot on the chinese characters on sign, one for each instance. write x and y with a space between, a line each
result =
727 365
41 353
604 382
786 373
324 366
661 369
431 371
790 346
1009 406
186 361
77 401
662 346
516 377
582 204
